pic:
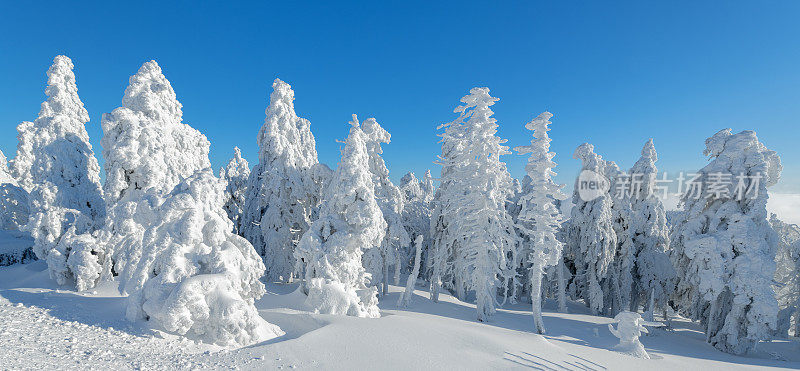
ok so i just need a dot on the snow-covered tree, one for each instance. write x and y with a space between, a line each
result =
391 201
148 150
350 222
145 143
282 198
787 276
618 287
591 238
5 173
539 219
194 276
235 176
427 186
724 249
416 219
405 298
476 231
14 209
653 274
630 325
56 164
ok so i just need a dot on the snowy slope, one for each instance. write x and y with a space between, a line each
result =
42 326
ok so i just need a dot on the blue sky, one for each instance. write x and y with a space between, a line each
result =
613 74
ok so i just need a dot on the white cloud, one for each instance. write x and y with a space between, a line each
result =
786 205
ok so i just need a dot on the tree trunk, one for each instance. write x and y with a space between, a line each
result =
651 310
397 265
385 280
562 287
536 297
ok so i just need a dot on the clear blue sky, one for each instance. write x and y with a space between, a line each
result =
614 74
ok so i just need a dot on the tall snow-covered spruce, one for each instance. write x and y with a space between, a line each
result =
174 248
653 274
235 176
539 219
591 240
416 219
473 232
724 249
148 150
56 164
282 197
350 222
391 201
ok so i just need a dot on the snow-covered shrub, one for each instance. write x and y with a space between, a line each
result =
194 276
538 219
630 327
473 232
350 222
391 201
724 250
653 274
56 164
591 238
147 151
235 176
282 197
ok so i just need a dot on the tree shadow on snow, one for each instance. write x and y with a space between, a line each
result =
104 312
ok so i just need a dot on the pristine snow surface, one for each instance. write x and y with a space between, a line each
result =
43 326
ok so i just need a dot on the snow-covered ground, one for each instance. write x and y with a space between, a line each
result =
43 326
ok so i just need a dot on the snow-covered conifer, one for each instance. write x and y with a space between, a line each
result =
148 150
5 173
787 276
391 201
478 232
411 282
350 222
618 287
653 274
724 249
427 186
146 146
14 209
416 218
235 176
282 197
539 219
194 276
591 237
56 164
